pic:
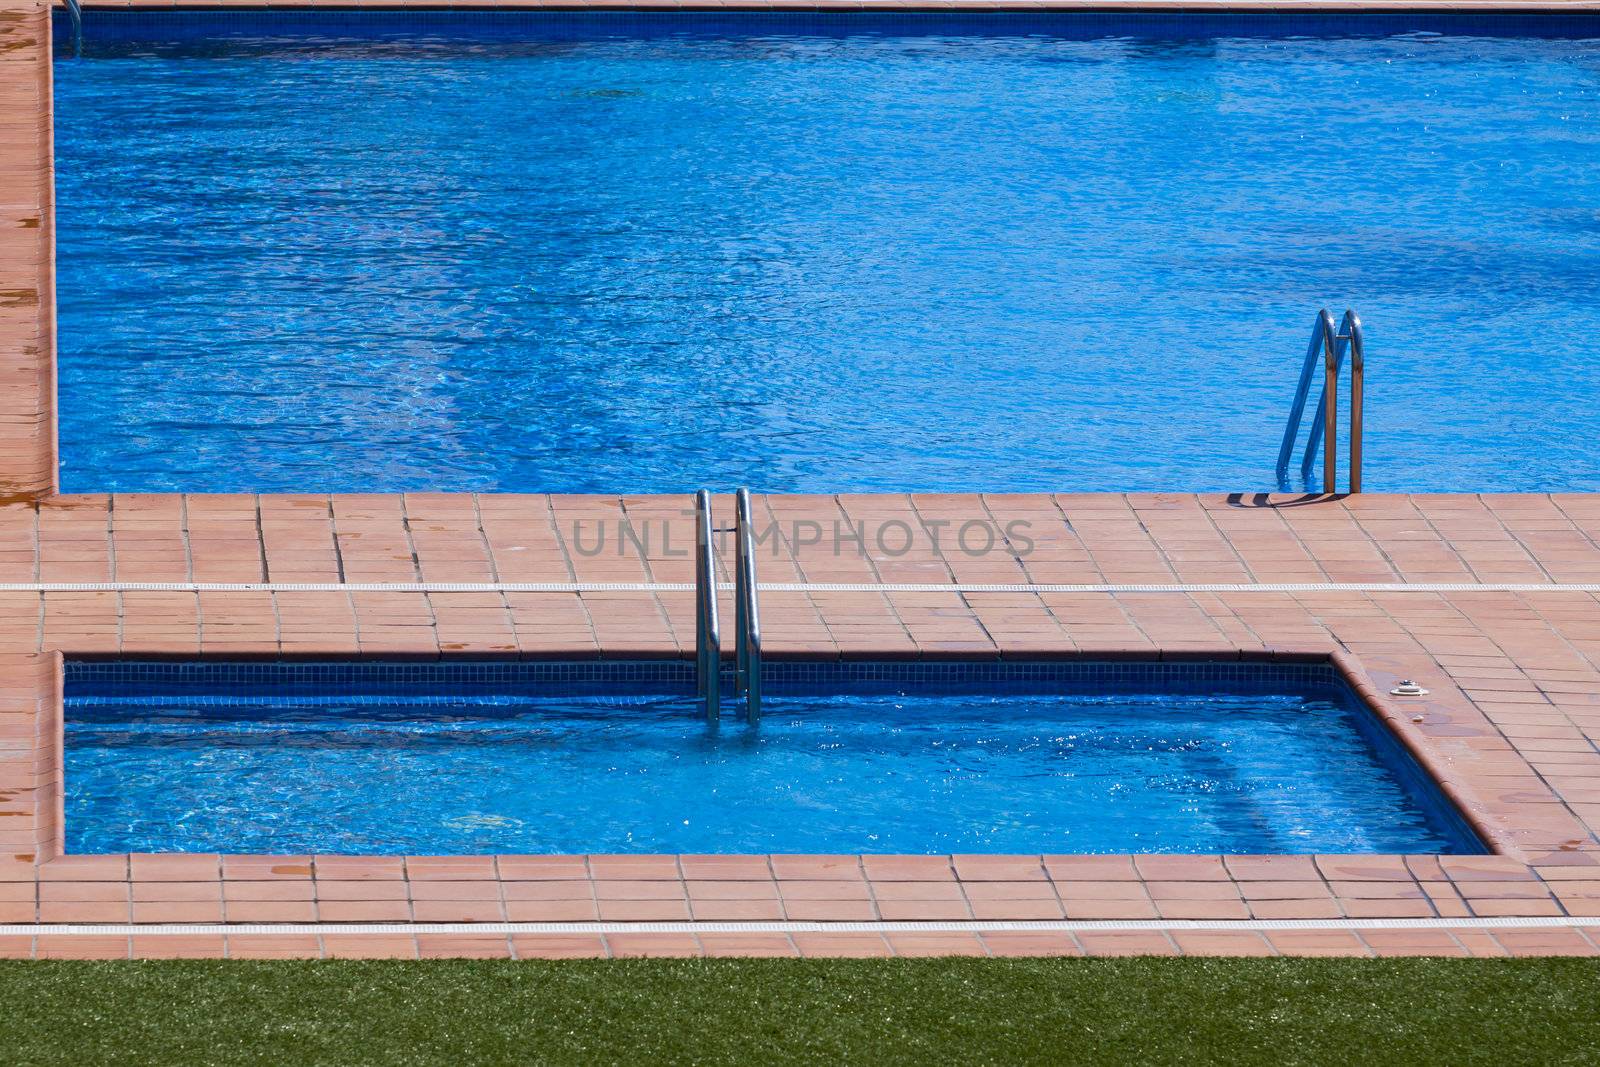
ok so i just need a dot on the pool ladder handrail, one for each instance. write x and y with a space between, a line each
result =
707 626
747 613
75 12
1331 344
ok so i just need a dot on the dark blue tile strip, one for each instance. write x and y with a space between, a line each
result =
245 681
332 26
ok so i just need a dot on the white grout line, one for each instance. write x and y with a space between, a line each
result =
794 587
787 927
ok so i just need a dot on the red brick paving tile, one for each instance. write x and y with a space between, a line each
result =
85 912
1478 943
273 946
817 868
644 910
480 889
85 869
270 911
550 911
13 947
548 890
635 868
1221 943
736 910
358 868
558 946
1181 868
449 868
76 947
1306 890
177 891
1043 908
541 868
925 890
1140 943
1553 942
286 890
799 889
652 945
936 944
1314 908
924 910
1202 909
181 911
999 868
854 945
457 911
172 867
726 868
715 944
1412 943
1090 868
829 910
463 946
1387 909
1272 868
723 890
368 947
364 911
1317 943
179 947
1364 868
64 892
618 889
359 890
1030 943
266 868
908 868
1499 908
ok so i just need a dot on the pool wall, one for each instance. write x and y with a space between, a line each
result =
234 682
220 684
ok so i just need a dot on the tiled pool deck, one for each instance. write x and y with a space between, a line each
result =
1510 724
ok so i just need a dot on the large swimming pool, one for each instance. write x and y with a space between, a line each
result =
1074 757
611 253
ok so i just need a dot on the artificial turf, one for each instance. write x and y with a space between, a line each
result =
1066 1011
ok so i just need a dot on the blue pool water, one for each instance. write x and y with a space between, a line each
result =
447 769
616 254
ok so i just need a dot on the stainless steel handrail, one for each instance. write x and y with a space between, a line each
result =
1330 343
747 614
707 629
75 12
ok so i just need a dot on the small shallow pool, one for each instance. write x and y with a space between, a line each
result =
1063 758
366 251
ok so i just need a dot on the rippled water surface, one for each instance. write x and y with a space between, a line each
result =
820 775
821 263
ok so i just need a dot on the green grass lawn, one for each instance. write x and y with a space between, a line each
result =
927 1012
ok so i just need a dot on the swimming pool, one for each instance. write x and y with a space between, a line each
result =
613 252
850 758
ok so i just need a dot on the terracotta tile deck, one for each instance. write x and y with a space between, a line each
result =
1510 724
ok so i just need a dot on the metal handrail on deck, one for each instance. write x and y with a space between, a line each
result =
1330 344
75 12
747 614
707 628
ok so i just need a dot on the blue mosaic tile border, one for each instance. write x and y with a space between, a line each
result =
324 26
220 682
